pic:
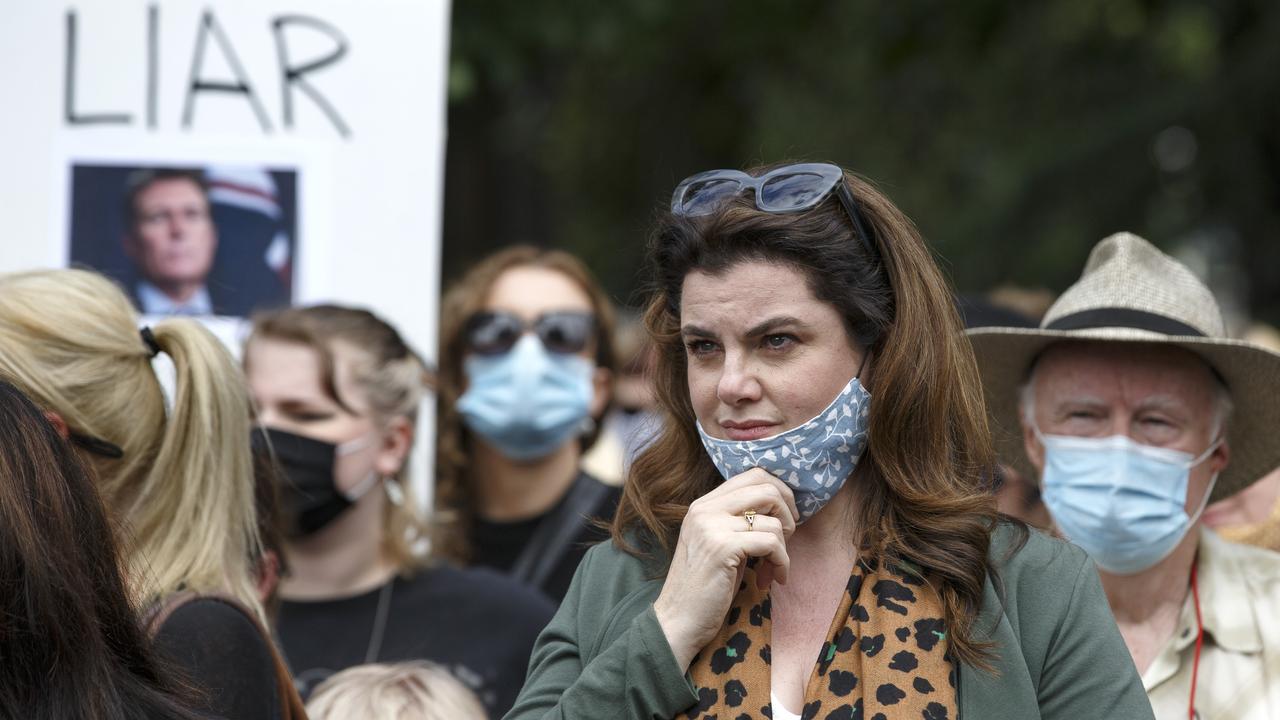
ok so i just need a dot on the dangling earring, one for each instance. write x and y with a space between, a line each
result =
395 493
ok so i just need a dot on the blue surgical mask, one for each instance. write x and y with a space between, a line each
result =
814 459
526 402
1121 501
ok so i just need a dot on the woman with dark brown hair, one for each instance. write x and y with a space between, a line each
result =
526 363
811 535
71 646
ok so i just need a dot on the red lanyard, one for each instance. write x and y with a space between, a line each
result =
1195 665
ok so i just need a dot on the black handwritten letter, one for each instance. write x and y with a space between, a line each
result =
69 88
209 26
293 75
153 62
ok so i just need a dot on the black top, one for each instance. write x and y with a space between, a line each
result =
476 623
499 544
224 654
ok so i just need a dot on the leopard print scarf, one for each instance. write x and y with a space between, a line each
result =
886 655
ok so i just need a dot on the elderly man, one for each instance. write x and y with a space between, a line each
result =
171 239
1136 412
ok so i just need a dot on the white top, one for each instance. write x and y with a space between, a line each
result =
155 302
780 712
1240 663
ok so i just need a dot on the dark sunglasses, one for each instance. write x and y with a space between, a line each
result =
565 331
788 189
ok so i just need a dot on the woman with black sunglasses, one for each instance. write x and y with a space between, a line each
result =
525 369
812 534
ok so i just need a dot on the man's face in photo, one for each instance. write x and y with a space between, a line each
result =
173 239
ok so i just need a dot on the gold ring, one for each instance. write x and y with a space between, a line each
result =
750 517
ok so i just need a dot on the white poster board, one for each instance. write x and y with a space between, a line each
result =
325 118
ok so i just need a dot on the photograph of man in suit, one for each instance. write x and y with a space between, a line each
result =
171 238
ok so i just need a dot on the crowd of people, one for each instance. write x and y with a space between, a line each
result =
795 487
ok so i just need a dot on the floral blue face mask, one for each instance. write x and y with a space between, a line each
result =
1120 501
527 402
814 459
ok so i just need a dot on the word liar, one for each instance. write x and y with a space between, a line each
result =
293 73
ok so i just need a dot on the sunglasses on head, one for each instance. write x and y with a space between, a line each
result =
562 331
788 189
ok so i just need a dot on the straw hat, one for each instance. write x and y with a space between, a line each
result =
1132 292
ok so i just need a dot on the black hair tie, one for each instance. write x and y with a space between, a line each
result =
149 338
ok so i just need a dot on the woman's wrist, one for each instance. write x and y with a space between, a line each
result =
677 637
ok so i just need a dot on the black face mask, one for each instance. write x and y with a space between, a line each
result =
309 499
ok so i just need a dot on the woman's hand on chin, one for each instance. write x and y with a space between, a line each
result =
711 556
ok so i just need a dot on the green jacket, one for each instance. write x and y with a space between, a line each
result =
1059 653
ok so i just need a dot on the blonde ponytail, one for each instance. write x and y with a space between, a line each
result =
194 517
182 490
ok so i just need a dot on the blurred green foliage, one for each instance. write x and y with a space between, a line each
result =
1015 134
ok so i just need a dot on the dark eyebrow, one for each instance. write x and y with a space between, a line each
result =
764 328
761 328
695 331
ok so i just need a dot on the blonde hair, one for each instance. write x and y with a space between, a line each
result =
183 488
394 380
416 690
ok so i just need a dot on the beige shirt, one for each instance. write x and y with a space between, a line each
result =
1240 659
